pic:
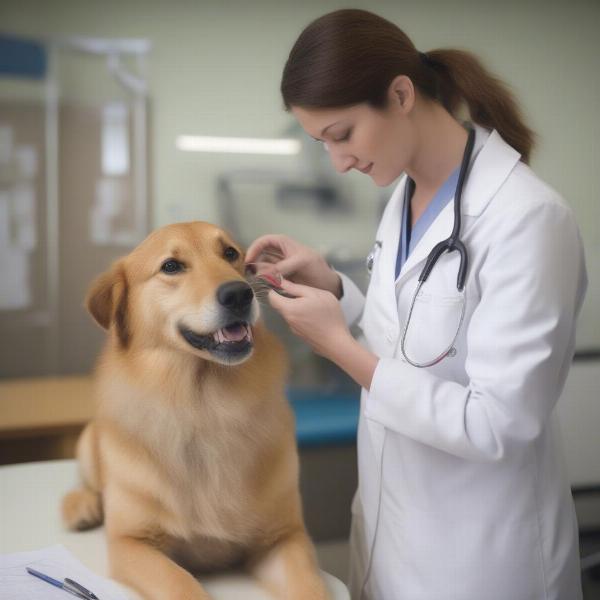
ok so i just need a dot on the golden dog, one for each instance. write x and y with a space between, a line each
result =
191 460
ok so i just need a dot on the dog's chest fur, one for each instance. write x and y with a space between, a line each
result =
203 459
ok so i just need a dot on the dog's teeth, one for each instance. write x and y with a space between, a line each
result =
223 335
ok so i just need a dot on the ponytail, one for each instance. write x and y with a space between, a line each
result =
351 56
462 77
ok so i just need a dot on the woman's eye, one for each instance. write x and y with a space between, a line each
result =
171 266
231 254
345 137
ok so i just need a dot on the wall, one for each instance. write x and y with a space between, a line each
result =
215 70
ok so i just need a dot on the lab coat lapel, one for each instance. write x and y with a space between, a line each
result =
389 232
437 231
493 162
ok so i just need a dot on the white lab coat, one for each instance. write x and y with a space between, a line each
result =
463 493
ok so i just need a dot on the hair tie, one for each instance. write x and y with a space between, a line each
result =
425 59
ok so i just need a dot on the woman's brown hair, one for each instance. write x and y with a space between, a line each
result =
351 56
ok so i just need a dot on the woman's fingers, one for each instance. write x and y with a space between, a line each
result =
284 253
291 259
297 289
264 243
288 266
313 314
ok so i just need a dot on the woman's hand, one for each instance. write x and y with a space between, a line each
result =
295 261
315 315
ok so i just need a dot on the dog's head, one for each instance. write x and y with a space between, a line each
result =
182 286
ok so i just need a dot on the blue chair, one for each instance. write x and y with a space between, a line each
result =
324 419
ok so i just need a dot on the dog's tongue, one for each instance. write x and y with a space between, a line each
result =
234 333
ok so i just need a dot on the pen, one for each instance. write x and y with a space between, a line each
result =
67 584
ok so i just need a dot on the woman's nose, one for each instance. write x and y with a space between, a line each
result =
342 163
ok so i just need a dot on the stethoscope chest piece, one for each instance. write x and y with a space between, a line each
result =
372 256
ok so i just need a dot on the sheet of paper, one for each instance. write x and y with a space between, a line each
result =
58 562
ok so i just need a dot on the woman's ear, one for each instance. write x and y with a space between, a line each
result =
107 301
401 93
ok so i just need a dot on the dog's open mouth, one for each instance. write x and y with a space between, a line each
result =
236 332
233 340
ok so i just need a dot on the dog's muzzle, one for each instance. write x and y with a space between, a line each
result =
233 341
236 297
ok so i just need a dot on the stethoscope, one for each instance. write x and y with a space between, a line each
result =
450 244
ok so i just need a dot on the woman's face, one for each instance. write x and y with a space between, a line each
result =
376 142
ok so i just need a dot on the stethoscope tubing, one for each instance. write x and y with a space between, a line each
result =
450 244
449 351
453 242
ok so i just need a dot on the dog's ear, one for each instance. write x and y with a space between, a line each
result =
107 301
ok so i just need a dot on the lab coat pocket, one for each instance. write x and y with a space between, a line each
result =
432 326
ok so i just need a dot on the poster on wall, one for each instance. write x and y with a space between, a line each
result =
18 239
112 215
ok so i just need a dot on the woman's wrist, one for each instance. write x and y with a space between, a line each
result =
354 359
337 288
334 282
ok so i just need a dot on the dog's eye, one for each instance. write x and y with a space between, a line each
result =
171 266
231 254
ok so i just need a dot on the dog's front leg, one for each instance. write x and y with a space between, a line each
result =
289 569
151 572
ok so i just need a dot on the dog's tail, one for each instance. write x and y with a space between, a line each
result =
82 507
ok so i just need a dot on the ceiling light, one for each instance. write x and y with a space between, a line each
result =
194 143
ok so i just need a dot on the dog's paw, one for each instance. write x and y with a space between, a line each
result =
82 509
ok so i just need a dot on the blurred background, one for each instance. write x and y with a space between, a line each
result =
117 117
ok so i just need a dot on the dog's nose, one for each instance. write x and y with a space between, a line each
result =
236 296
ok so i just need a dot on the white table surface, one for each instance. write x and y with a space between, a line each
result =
30 496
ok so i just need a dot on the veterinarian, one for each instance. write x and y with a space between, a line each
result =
463 493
